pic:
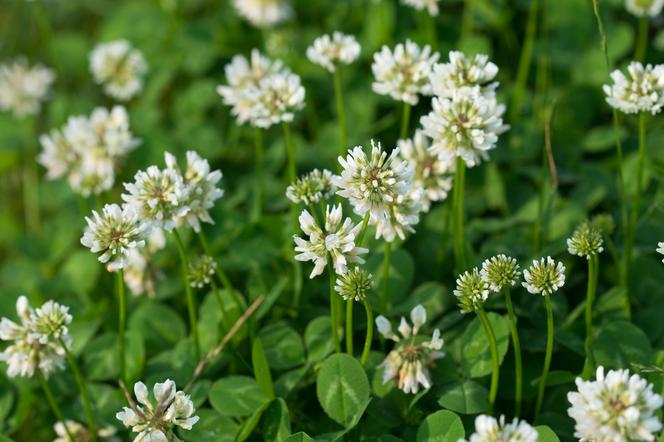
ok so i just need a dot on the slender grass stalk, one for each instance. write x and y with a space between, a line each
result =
641 39
405 121
458 224
334 321
547 355
349 327
191 307
493 347
51 401
260 173
518 364
92 427
122 315
593 273
341 112
369 337
385 286
524 60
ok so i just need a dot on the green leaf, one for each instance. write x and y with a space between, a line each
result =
299 437
546 434
441 426
475 352
236 396
620 344
160 326
262 369
211 426
283 346
342 388
318 339
555 377
466 397
275 424
250 424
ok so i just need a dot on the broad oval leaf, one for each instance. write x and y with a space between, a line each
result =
318 339
475 351
620 344
236 396
466 397
275 423
441 426
546 434
211 426
283 346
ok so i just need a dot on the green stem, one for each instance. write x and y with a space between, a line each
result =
221 275
92 427
369 337
524 60
334 321
363 230
518 365
458 204
547 355
260 173
349 327
222 307
593 273
493 347
341 113
290 151
637 196
191 308
31 197
51 401
642 40
405 121
292 172
122 314
385 289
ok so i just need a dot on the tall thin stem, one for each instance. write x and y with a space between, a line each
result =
191 307
221 275
637 196
290 152
363 230
222 307
518 365
92 427
547 355
122 314
493 347
51 401
593 271
524 60
292 172
341 112
458 205
349 327
260 173
385 286
642 39
368 339
405 121
334 321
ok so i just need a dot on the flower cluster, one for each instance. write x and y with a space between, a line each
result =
472 290
81 433
615 407
408 363
462 71
490 429
38 339
404 72
156 422
354 285
586 241
642 91
644 8
201 271
119 68
23 88
430 5
311 188
264 13
544 277
500 271
327 51
88 150
336 241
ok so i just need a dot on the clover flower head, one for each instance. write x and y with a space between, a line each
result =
431 174
354 285
544 277
275 100
403 73
500 271
201 271
586 241
402 214
615 407
464 71
466 124
23 88
642 91
311 188
408 363
660 248
336 240
119 68
430 5
139 273
490 429
328 51
81 433
644 8
264 13
155 420
472 290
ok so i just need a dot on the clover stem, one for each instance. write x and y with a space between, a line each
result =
495 366
191 307
385 286
341 113
547 355
51 401
593 273
92 427
122 313
458 205
369 337
260 172
518 365
405 121
333 307
349 327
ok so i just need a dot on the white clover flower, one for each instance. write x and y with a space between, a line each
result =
463 71
113 233
201 271
432 174
586 241
430 5
37 340
327 51
408 363
644 8
138 272
403 214
276 99
156 421
119 68
500 271
23 88
200 187
660 249
465 125
354 285
489 429
81 433
643 91
615 408
159 197
544 277
264 13
311 188
336 240
472 290
403 73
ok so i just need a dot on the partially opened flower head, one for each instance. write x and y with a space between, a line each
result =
119 68
311 188
354 285
201 271
644 8
586 241
544 277
464 71
24 88
471 291
264 13
642 90
490 429
500 271
328 51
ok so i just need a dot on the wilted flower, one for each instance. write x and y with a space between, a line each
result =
156 422
616 407
471 290
430 5
643 91
431 174
311 188
500 271
119 68
544 276
463 71
466 125
644 8
354 285
201 271
81 433
264 13
408 363
275 100
327 51
586 241
336 240
24 88
37 340
403 73
489 429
